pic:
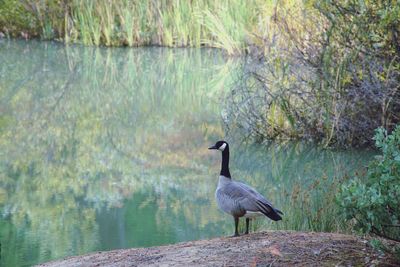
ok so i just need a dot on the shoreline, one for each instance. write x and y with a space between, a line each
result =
280 248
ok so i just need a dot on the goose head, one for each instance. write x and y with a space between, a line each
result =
220 145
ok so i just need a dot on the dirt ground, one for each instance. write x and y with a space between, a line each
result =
275 248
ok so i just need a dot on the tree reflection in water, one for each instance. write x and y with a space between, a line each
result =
99 145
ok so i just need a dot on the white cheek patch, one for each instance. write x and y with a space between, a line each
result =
222 147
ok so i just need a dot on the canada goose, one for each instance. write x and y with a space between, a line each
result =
239 199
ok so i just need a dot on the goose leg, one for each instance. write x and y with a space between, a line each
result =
247 225
236 226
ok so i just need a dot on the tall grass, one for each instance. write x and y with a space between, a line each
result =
314 208
230 25
311 208
300 180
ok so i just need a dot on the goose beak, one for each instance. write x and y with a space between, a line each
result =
213 147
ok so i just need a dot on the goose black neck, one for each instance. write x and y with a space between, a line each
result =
225 163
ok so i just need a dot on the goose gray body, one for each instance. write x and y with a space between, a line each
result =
239 199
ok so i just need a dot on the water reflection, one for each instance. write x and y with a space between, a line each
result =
107 148
93 139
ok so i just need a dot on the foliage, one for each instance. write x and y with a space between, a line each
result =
331 73
373 202
14 18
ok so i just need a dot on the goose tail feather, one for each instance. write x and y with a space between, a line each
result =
278 211
268 211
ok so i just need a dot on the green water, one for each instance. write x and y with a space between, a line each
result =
103 149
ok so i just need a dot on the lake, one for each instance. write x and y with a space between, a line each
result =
106 148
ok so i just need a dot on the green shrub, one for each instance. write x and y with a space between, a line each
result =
373 202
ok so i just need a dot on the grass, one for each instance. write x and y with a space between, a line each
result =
300 180
314 208
311 208
230 25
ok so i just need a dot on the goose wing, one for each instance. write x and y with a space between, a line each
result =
250 200
259 196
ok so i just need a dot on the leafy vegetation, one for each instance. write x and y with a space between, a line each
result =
373 202
331 74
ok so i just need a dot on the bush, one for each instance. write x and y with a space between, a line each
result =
14 19
373 202
331 74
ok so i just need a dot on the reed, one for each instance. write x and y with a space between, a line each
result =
229 25
311 208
